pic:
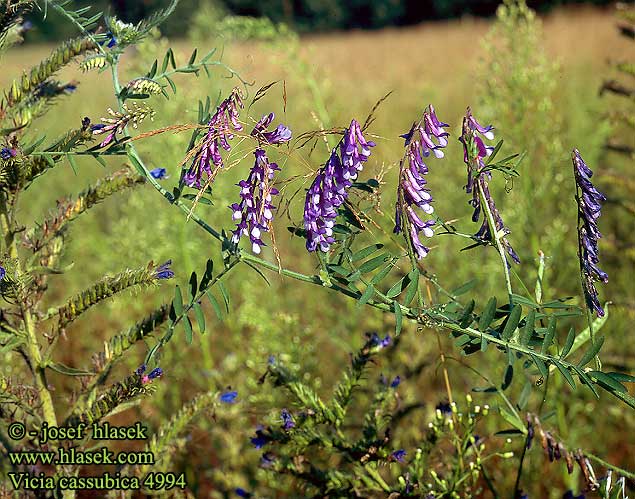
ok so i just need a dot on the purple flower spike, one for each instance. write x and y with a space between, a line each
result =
589 203
254 213
474 153
3 272
423 138
278 136
228 397
221 128
330 187
395 382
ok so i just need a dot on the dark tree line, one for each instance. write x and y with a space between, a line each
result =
308 15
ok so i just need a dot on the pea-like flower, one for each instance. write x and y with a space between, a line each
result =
164 271
221 127
474 153
589 204
255 210
7 153
330 187
399 455
278 136
428 135
159 173
157 372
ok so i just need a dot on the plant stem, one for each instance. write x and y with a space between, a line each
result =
496 237
32 345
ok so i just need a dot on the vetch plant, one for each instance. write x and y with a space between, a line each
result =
339 445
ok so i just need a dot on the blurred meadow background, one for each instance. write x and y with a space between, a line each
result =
536 79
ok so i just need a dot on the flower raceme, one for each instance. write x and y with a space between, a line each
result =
589 204
428 135
330 187
220 130
474 153
254 213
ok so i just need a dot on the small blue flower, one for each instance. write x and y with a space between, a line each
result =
444 407
112 41
271 360
287 419
260 440
399 455
267 460
376 341
159 173
242 492
157 372
395 382
228 397
3 272
164 271
7 153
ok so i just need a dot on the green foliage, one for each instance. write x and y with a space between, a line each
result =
231 310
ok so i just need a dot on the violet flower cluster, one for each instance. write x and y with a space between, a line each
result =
474 153
424 137
330 187
255 210
221 128
589 204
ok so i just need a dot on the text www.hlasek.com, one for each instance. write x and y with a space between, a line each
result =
73 456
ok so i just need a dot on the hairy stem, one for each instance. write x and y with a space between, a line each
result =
497 239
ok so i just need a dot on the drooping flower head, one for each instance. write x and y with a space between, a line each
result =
254 213
221 128
474 153
119 120
428 135
330 187
589 204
